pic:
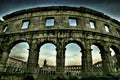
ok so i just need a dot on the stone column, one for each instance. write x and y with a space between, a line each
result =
60 59
5 54
107 61
118 59
33 57
118 62
0 53
87 60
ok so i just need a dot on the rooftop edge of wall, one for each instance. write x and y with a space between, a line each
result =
60 8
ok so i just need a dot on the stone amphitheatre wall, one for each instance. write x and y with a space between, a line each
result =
60 33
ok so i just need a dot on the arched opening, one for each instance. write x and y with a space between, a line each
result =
96 56
73 54
20 51
47 55
114 53
73 58
18 57
96 51
47 58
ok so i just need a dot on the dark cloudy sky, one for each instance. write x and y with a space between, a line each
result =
109 7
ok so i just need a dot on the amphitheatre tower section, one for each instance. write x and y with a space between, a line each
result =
61 25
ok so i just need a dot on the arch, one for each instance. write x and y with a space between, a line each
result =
76 50
101 48
115 57
12 44
98 66
112 52
115 49
99 45
96 57
77 42
72 52
20 47
47 53
47 41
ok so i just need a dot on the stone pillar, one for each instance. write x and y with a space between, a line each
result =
118 62
87 60
60 59
107 61
0 53
118 59
5 54
32 63
62 21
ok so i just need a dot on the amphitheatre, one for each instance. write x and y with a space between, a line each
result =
60 25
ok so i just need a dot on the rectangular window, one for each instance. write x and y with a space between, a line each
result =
92 24
25 24
49 22
72 22
106 28
5 28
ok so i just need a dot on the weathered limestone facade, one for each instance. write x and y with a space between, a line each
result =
60 33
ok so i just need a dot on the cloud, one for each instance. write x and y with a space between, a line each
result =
48 49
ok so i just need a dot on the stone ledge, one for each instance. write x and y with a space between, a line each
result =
60 8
